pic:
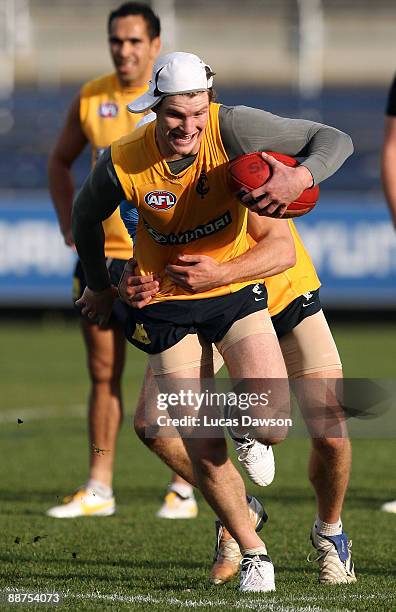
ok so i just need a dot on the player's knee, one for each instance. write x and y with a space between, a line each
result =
100 370
208 457
206 466
331 446
104 371
139 425
272 440
155 444
271 436
139 430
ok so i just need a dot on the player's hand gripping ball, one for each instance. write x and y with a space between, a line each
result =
250 171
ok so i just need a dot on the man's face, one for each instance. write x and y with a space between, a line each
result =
132 51
181 121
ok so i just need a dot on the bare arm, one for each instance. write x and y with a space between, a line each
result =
68 147
273 253
388 165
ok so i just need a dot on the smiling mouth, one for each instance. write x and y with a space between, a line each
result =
125 64
183 137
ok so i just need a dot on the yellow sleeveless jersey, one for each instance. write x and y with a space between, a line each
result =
193 212
290 284
104 118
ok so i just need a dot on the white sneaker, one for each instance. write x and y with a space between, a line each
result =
257 459
176 506
84 502
334 557
257 574
228 557
389 507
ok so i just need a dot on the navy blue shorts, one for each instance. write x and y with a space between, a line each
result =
157 327
295 312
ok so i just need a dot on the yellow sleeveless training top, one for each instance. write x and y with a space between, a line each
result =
282 288
193 212
287 286
104 118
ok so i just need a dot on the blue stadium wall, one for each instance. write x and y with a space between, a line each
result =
350 238
349 234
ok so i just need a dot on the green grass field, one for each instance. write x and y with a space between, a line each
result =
135 561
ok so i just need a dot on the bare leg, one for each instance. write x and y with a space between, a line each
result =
329 468
318 397
106 358
254 357
223 488
214 473
170 450
257 360
178 479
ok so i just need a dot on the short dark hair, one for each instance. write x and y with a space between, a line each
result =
137 8
190 94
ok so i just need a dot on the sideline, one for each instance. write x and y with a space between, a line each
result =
268 603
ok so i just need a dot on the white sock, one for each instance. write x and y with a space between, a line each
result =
100 488
329 529
184 490
259 550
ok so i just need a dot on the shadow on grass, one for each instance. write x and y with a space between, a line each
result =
55 496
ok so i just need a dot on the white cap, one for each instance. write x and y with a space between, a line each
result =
146 119
174 73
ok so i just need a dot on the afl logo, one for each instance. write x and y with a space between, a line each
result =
108 110
160 200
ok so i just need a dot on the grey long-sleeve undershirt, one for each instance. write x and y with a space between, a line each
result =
243 130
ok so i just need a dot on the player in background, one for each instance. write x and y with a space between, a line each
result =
389 184
97 116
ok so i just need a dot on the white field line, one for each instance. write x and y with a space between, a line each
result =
269 603
46 412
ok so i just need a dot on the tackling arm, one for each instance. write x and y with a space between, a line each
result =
273 253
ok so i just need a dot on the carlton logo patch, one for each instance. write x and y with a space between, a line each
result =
108 110
160 200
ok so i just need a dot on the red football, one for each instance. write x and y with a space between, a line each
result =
251 171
